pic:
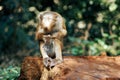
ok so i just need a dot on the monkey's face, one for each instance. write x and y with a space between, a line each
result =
48 21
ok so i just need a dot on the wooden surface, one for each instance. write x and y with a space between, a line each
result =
73 68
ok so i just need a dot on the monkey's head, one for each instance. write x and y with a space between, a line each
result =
47 20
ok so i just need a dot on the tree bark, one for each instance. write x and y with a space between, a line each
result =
73 68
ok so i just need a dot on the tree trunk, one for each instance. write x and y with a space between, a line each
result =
73 68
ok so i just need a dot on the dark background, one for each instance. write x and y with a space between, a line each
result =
93 28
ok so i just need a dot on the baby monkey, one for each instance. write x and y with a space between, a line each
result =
50 31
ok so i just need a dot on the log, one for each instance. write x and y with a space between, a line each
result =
73 68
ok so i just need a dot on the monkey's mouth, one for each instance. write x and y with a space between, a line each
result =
48 33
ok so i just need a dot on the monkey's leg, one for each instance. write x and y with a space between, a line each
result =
46 59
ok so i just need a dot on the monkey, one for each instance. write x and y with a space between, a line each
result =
50 32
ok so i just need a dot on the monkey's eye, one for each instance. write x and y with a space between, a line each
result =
54 19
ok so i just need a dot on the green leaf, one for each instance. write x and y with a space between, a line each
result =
113 7
75 51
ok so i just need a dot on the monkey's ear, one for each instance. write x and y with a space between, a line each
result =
39 17
59 21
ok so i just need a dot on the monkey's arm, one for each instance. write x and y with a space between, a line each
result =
39 33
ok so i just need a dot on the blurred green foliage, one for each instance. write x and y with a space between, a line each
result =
9 73
93 25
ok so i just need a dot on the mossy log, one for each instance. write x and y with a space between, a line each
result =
72 68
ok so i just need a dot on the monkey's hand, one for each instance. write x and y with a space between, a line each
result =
47 61
55 62
49 36
38 36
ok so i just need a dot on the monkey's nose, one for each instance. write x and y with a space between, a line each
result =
46 29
